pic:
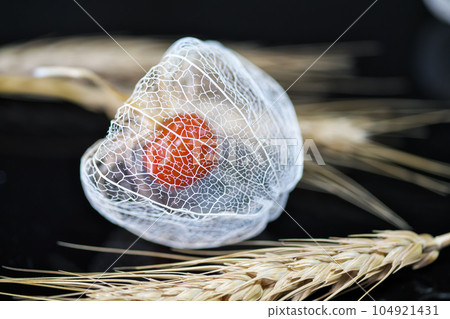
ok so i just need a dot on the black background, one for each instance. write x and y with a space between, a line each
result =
41 200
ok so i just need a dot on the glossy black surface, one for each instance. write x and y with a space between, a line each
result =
41 200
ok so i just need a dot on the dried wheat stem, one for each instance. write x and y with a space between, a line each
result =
442 241
295 271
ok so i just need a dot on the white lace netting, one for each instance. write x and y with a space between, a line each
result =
249 183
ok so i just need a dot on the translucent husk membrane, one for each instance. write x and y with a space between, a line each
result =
344 130
258 159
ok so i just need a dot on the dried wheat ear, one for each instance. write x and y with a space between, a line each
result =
294 269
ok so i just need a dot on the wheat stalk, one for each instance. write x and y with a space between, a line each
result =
105 58
292 270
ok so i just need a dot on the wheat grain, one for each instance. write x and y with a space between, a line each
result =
297 270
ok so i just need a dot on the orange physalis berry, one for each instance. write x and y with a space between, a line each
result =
182 152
